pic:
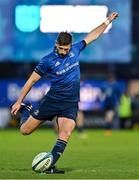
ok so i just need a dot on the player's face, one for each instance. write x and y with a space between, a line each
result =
63 50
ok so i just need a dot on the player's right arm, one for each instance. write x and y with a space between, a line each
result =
95 33
28 85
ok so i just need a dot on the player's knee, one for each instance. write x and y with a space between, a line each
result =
24 131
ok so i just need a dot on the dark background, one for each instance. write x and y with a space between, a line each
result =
95 71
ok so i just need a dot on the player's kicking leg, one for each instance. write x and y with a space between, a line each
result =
65 128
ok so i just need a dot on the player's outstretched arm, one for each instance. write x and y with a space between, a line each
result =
28 85
95 33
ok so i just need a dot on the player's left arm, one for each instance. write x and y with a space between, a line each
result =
95 33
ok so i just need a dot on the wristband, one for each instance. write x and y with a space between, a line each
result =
107 22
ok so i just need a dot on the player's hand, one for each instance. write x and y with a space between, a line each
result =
113 16
15 108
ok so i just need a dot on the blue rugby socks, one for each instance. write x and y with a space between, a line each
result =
58 149
25 112
24 116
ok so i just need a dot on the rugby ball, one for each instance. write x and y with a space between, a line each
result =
42 162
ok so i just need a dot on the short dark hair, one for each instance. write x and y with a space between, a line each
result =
64 38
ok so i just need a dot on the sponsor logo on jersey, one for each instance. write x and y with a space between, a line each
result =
67 68
57 63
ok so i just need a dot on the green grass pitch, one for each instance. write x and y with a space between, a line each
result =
97 157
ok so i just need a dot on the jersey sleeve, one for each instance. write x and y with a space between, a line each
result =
80 45
42 67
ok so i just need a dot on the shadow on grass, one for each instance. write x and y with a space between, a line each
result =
68 169
27 169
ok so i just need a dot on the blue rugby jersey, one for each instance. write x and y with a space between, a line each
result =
63 73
